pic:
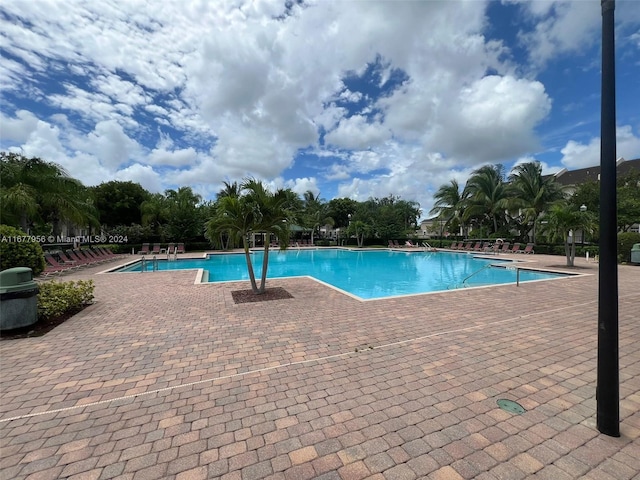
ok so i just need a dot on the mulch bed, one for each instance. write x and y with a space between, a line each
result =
247 296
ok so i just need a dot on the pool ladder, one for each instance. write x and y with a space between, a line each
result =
154 264
462 284
476 272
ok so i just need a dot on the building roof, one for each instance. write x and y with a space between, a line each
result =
592 174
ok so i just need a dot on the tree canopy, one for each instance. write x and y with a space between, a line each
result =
34 192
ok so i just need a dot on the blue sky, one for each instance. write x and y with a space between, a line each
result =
346 98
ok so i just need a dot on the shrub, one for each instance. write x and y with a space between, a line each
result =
17 250
626 240
58 298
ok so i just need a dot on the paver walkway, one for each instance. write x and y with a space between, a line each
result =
161 378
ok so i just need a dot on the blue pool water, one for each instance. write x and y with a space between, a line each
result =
365 274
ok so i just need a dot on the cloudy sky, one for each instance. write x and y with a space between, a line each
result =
344 98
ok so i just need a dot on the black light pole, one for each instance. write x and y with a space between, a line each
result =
608 383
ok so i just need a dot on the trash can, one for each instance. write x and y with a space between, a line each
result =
18 298
635 254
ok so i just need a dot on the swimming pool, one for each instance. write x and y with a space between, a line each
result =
367 274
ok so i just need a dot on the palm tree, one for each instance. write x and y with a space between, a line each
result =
224 240
32 190
256 210
271 216
450 204
488 194
359 229
155 213
316 212
233 216
562 220
229 190
532 193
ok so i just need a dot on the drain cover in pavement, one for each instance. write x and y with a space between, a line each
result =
511 406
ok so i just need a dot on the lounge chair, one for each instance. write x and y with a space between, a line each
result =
79 260
67 260
53 266
528 249
477 247
97 256
144 250
106 252
409 244
170 248
156 249
100 254
505 247
492 248
396 244
453 246
89 256
180 248
390 244
515 248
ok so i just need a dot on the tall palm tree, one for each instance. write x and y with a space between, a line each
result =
450 203
488 194
532 193
33 190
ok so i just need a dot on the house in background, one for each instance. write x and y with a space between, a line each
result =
571 178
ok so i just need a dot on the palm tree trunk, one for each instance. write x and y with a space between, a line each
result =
24 222
567 251
533 232
252 275
265 263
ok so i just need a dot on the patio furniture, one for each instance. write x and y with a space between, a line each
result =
528 249
53 266
515 248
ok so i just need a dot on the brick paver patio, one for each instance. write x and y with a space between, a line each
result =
161 378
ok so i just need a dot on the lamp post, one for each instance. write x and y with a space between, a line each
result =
608 383
583 209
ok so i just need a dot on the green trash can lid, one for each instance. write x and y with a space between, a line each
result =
17 279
